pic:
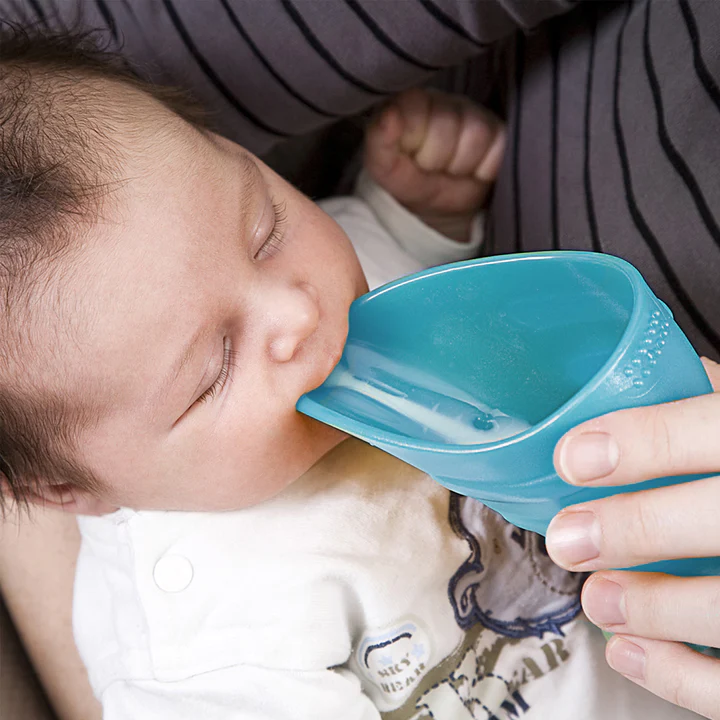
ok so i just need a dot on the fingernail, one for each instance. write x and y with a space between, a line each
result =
604 602
626 658
573 538
588 456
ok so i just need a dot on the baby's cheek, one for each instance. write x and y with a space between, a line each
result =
327 253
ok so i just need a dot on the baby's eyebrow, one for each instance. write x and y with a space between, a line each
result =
250 176
184 358
249 181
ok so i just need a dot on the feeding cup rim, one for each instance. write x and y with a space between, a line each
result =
376 435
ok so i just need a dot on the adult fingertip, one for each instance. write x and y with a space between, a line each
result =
573 539
626 658
586 457
604 602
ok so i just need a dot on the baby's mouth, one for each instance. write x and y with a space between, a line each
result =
328 360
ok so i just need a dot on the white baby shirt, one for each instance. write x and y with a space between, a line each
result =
365 589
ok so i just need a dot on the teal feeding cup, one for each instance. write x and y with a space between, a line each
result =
473 371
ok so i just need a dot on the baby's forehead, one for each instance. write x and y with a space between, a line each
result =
114 286
82 339
44 325
127 286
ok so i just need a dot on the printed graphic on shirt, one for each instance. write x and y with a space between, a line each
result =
394 661
485 679
508 583
515 606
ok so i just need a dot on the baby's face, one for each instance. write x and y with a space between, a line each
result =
212 296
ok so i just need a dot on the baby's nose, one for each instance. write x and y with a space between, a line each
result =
294 318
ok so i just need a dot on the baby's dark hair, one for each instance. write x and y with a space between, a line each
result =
53 176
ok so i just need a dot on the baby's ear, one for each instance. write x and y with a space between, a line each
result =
69 498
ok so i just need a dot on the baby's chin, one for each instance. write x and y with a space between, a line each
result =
319 439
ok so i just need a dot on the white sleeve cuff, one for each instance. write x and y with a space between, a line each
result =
426 245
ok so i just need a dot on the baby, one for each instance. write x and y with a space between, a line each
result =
167 300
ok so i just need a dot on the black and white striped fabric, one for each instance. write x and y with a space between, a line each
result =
615 123
613 108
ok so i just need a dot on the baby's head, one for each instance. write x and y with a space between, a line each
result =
166 297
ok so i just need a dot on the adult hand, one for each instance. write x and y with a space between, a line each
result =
650 614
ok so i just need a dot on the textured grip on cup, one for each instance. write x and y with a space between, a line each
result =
643 366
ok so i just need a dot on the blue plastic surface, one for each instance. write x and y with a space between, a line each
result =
550 339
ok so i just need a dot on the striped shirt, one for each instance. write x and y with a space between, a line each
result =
613 109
